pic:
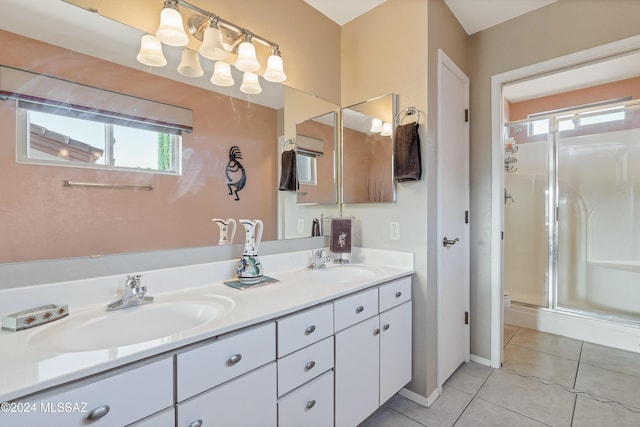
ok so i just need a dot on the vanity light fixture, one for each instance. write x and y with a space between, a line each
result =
275 70
250 83
376 126
171 30
247 60
222 74
212 30
190 63
212 46
151 52
387 130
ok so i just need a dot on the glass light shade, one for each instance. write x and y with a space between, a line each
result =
275 70
212 47
386 129
151 52
171 30
222 74
190 64
376 125
250 84
247 60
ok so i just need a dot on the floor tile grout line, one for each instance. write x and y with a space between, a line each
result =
407 416
575 383
611 370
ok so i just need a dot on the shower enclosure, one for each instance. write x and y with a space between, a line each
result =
572 212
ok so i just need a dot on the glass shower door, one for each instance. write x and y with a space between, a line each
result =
598 235
526 219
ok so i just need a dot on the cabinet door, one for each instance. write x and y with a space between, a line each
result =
357 372
395 350
247 401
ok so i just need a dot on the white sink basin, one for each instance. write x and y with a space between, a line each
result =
344 273
100 329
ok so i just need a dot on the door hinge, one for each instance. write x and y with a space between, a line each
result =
466 217
502 235
466 317
466 115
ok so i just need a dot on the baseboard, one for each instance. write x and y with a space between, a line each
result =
480 360
419 399
611 334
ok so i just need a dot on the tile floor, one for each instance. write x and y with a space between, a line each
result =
545 380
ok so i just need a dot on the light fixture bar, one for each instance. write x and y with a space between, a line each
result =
227 24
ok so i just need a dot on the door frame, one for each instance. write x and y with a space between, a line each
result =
445 62
572 60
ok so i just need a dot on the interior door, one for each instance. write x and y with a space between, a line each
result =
453 228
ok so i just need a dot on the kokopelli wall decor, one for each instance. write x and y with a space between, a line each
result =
236 175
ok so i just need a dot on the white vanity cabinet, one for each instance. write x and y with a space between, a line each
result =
116 399
230 381
372 352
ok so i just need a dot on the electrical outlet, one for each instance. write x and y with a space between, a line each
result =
394 230
300 226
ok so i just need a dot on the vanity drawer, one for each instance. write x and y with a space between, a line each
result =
303 365
304 328
230 356
114 400
395 293
161 419
311 405
355 308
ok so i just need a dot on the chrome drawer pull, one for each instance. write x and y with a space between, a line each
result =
398 294
234 359
310 330
97 413
376 332
310 404
309 366
359 309
385 327
196 423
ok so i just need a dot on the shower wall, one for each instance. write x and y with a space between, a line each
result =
585 259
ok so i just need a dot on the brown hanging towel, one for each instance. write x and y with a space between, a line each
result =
407 161
288 174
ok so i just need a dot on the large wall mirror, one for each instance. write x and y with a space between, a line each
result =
44 219
367 151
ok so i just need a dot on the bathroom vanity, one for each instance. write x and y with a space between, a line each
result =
316 348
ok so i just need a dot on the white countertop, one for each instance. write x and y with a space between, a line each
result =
26 368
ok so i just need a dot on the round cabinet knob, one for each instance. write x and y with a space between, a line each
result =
385 327
97 413
398 294
309 366
196 423
359 309
310 404
234 359
376 332
311 329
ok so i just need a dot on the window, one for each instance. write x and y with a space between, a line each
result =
306 165
60 135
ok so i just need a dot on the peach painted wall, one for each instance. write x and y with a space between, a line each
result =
41 219
605 92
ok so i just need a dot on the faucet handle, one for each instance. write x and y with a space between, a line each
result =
133 281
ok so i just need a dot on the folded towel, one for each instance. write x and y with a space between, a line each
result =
407 162
288 174
340 236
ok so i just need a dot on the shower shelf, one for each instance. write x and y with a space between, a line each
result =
510 157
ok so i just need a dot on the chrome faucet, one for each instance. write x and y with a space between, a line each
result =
134 294
319 259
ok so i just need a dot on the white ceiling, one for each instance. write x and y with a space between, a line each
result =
343 11
474 15
478 15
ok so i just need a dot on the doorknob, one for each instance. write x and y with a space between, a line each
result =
448 242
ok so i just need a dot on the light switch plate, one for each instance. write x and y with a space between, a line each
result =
394 230
300 226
